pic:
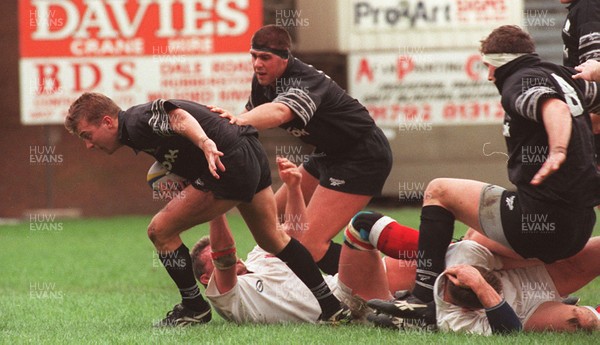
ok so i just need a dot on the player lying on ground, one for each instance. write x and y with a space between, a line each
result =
352 156
195 143
480 293
551 162
262 289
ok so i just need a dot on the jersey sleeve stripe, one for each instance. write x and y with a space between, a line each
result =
299 102
527 102
590 55
589 47
591 96
159 121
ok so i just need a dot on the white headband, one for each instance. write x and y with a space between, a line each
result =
498 60
594 311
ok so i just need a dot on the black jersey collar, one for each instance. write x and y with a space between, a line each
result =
505 71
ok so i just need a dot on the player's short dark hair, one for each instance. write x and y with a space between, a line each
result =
198 266
90 106
465 297
272 36
507 39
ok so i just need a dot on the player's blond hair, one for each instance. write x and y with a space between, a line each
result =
199 266
90 106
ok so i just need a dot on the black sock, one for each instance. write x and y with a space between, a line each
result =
179 266
331 260
302 264
435 235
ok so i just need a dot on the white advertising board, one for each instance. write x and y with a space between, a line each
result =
134 52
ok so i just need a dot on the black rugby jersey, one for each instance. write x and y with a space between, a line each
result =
524 84
146 128
581 32
325 115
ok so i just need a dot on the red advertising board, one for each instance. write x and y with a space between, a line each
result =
134 51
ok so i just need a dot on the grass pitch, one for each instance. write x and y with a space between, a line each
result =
99 281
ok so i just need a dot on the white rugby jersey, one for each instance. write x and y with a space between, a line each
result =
524 289
271 294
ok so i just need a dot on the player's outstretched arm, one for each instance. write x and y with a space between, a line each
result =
268 115
184 124
557 121
294 222
223 253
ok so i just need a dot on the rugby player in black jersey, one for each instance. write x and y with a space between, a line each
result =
228 167
581 32
352 157
551 163
581 41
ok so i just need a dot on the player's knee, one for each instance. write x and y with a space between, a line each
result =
357 233
363 221
156 233
435 191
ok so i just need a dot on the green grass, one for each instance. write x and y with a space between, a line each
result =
98 281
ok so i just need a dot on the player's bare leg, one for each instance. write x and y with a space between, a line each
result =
400 273
327 213
361 277
364 273
571 274
190 208
460 197
560 317
261 217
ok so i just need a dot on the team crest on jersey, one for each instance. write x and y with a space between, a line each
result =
510 202
567 27
334 182
259 285
506 130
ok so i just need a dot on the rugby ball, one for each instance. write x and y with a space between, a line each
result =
162 180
